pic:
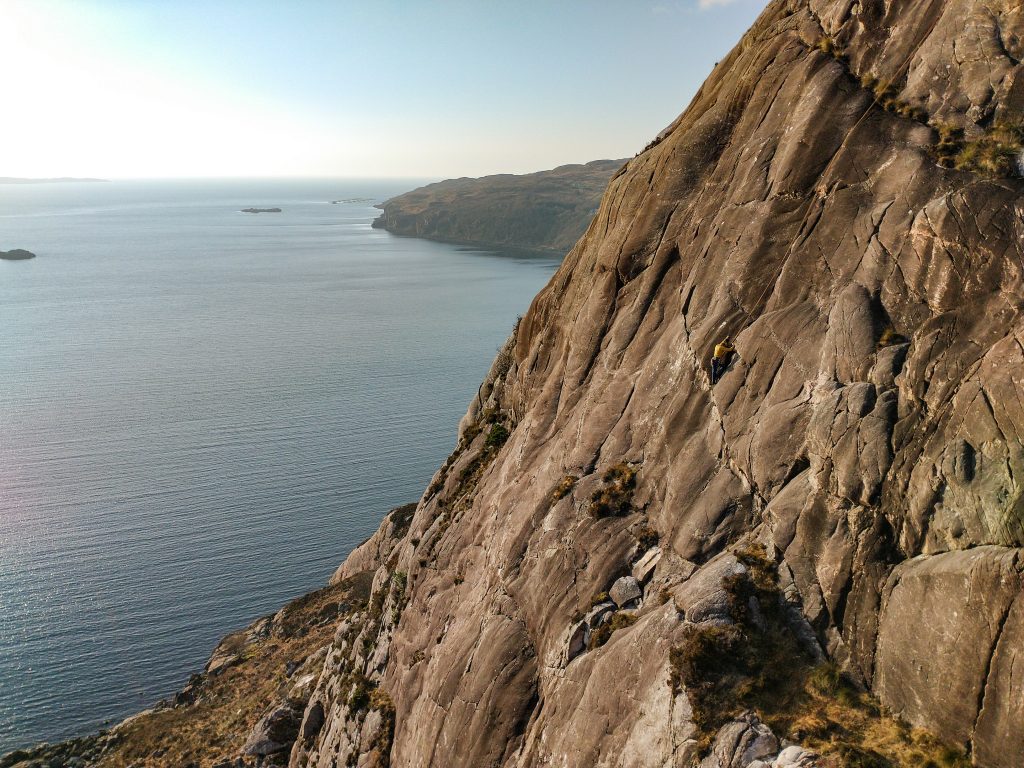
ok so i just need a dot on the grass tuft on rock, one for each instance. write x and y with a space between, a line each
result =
645 537
497 436
380 747
603 633
996 153
758 664
564 487
615 497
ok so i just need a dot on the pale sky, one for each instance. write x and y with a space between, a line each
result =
388 88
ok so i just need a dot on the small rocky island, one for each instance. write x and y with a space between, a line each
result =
261 210
18 254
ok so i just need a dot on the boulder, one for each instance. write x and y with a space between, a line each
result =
644 567
999 735
302 689
312 722
740 742
625 591
702 597
937 635
275 732
599 614
579 636
795 756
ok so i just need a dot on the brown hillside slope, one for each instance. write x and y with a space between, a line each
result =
545 211
866 441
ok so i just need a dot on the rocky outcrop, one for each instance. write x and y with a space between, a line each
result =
838 199
545 211
18 254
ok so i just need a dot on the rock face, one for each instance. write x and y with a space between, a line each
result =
545 211
840 199
835 199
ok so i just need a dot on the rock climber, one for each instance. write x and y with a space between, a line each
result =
720 359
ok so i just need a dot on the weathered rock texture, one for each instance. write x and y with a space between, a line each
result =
868 432
865 440
545 211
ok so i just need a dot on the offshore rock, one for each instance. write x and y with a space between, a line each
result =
18 254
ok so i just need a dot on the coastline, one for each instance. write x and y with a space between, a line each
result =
484 245
276 656
313 486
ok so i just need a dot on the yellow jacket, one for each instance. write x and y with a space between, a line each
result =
723 350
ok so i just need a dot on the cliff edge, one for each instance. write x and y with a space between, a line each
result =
622 564
546 211
815 561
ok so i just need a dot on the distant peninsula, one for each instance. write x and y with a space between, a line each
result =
59 180
18 254
261 210
546 211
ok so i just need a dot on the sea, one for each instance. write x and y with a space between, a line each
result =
202 411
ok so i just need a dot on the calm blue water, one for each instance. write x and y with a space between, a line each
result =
203 411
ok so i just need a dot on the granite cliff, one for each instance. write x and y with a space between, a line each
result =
545 211
17 254
623 565
816 561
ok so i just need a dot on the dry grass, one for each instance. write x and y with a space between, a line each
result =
564 487
830 47
848 728
645 537
889 338
603 633
228 705
726 670
381 745
995 154
615 497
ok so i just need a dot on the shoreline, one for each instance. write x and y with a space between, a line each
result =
504 250
298 624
